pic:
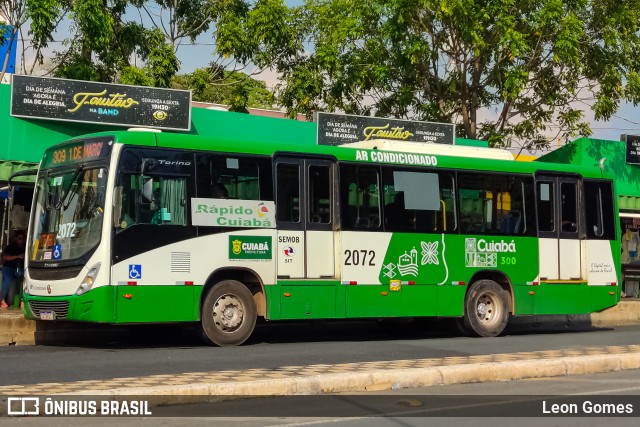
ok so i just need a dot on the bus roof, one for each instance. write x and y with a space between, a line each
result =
253 143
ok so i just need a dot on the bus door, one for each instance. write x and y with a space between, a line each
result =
560 253
306 242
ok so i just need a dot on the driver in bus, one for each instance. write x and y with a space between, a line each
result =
155 207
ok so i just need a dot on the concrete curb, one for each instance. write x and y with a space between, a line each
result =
625 313
387 378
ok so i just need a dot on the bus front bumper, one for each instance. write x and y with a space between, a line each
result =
96 305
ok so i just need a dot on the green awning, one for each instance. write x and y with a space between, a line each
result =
629 203
8 168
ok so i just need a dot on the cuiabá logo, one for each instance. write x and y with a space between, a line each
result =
250 247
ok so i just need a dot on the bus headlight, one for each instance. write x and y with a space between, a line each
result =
87 282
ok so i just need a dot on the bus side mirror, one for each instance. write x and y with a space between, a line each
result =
117 205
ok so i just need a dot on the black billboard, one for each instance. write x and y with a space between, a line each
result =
633 149
338 129
100 103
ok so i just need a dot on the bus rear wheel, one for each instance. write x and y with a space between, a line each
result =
486 309
228 314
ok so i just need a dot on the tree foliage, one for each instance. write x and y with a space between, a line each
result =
179 19
106 46
13 14
105 42
233 88
503 70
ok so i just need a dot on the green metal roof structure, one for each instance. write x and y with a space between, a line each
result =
589 152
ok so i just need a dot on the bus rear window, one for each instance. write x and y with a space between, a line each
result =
598 200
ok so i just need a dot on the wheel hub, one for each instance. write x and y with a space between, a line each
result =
488 308
228 313
482 309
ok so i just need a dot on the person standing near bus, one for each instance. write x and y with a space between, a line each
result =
13 257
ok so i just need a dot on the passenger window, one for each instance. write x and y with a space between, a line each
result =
418 201
319 194
599 210
232 177
360 190
569 205
546 212
155 200
494 204
288 192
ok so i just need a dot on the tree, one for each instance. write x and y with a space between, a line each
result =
13 14
179 19
233 88
44 16
104 44
105 47
503 70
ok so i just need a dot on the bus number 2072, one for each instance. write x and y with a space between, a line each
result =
359 257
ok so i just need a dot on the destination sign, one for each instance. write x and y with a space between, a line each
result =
77 152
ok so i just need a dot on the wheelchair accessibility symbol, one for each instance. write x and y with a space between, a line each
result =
135 271
57 252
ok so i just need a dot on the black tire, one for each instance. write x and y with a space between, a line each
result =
228 314
486 309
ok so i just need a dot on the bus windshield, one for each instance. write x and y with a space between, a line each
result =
68 213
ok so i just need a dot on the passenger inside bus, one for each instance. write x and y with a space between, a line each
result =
512 222
220 191
396 216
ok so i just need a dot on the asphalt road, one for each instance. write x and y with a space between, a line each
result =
496 404
468 404
165 350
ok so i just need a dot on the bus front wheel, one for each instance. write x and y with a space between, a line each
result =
486 309
228 314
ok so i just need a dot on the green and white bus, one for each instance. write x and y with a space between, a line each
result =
149 227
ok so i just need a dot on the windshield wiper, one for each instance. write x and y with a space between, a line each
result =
60 202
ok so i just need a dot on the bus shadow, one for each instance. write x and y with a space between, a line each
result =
188 335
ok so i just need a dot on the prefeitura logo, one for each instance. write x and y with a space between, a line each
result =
250 247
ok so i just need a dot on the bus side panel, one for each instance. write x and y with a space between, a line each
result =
471 257
441 267
164 303
563 298
524 300
382 277
197 298
165 283
308 299
603 297
272 294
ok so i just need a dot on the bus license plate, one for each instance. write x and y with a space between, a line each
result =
47 315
